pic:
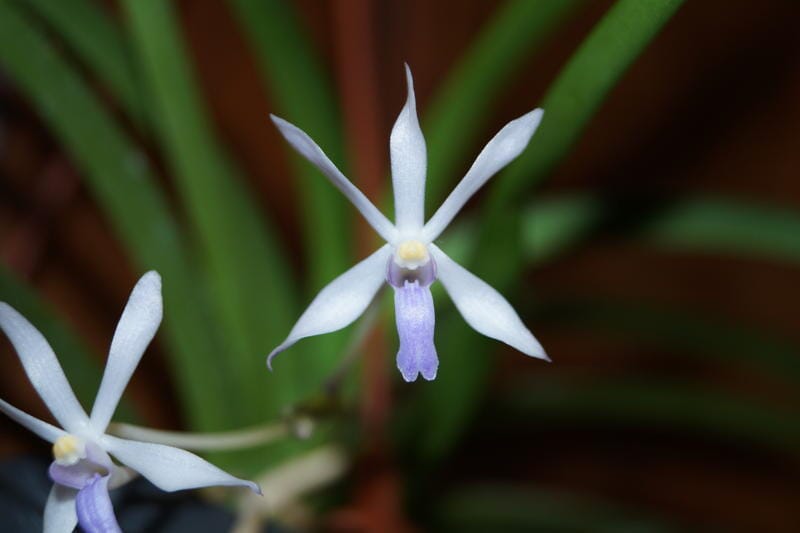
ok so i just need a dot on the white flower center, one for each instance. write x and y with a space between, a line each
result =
411 254
68 450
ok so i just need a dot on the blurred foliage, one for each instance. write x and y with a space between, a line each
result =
504 508
230 294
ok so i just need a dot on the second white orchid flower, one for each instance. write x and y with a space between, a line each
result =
410 261
82 469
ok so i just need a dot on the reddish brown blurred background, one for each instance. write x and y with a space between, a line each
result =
713 106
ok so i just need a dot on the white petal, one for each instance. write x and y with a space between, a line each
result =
484 308
500 151
306 147
41 428
59 512
135 330
43 370
342 301
169 468
409 164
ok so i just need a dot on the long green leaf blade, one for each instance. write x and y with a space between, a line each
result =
699 224
656 405
463 102
96 39
712 339
581 87
304 95
246 270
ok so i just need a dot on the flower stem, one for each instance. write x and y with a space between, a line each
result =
222 441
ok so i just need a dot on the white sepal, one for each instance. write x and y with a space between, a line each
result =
43 369
409 165
41 428
499 152
342 301
484 308
135 330
60 515
306 147
169 468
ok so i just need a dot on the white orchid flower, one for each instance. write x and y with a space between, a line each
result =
410 261
82 470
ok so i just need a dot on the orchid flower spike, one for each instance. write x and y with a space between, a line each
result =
410 261
82 470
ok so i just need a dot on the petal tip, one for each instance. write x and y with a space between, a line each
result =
274 353
409 377
429 376
151 279
410 86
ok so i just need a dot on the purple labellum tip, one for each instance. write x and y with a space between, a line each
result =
415 325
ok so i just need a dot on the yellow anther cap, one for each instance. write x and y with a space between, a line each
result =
412 251
68 450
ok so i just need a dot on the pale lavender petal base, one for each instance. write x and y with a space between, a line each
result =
78 475
93 504
415 318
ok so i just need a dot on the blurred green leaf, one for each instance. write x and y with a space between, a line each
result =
684 330
512 508
730 227
303 94
464 100
97 40
246 270
699 224
580 89
119 175
82 370
445 406
650 404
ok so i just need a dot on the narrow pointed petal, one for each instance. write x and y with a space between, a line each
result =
341 302
41 428
499 152
409 165
169 468
415 318
94 509
43 369
135 330
306 147
59 511
483 307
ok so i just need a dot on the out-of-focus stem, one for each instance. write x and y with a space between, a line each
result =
284 485
358 83
229 440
